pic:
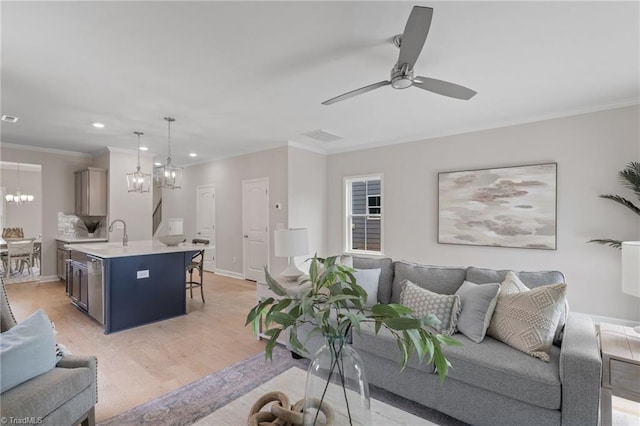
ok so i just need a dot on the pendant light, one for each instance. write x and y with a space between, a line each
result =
19 197
168 175
138 181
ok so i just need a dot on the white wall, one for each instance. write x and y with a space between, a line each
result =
227 176
27 216
307 204
590 149
132 207
58 192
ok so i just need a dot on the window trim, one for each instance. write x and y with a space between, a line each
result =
346 211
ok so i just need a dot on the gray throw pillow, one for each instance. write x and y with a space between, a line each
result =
477 304
368 279
26 351
422 301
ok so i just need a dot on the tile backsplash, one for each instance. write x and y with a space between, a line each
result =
69 225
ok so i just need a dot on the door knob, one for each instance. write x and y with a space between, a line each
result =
246 236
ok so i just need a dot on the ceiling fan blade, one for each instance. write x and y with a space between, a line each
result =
444 88
415 34
357 92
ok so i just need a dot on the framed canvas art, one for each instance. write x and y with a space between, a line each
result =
501 207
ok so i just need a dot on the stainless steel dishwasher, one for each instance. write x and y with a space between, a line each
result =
95 271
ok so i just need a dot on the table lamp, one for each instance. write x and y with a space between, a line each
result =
631 270
290 243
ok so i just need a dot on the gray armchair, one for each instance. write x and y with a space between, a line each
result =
65 395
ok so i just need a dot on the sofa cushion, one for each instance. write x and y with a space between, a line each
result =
530 279
26 351
494 366
440 280
386 274
477 302
42 395
384 345
422 302
527 320
369 280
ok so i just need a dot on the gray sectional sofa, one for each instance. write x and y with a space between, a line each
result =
490 383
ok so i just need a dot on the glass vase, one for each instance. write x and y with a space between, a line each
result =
336 383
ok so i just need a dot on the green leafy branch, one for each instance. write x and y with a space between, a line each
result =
630 177
333 303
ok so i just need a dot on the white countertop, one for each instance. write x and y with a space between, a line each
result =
135 248
74 240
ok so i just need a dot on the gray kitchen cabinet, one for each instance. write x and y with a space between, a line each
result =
63 255
91 192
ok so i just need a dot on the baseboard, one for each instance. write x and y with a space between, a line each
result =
610 320
49 278
230 274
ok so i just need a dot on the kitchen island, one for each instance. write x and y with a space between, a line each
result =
140 283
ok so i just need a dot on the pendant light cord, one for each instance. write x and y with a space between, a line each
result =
138 133
169 120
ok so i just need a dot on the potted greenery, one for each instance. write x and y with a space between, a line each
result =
90 227
630 177
334 305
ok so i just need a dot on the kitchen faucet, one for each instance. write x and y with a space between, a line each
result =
125 239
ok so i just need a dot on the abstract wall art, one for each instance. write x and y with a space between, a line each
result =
502 207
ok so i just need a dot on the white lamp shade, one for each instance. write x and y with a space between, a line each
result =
291 242
631 268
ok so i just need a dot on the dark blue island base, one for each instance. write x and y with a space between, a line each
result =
143 289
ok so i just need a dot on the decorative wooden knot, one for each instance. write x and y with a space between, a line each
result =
282 413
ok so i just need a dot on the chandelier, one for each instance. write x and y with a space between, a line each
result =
138 181
169 176
19 197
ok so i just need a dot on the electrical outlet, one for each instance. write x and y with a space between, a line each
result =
119 225
235 259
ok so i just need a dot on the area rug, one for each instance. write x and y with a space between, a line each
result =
190 403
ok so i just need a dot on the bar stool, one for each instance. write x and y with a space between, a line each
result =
197 263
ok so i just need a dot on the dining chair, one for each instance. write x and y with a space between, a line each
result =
19 251
12 233
197 263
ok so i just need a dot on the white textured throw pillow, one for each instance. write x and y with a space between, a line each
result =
527 320
477 303
422 301
368 279
27 350
512 284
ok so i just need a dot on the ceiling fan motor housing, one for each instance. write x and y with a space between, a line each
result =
401 76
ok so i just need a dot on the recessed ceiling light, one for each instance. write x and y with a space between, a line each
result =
157 164
98 125
9 118
144 148
193 154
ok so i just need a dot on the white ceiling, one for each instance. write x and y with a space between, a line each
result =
241 77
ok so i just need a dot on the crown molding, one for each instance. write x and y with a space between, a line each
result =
45 150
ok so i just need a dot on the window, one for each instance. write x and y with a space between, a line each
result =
363 214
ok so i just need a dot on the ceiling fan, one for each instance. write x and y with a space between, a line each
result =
410 44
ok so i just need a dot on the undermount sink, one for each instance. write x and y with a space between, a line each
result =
101 246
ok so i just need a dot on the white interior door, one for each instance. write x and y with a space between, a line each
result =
255 226
206 222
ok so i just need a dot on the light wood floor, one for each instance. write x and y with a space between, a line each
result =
135 366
